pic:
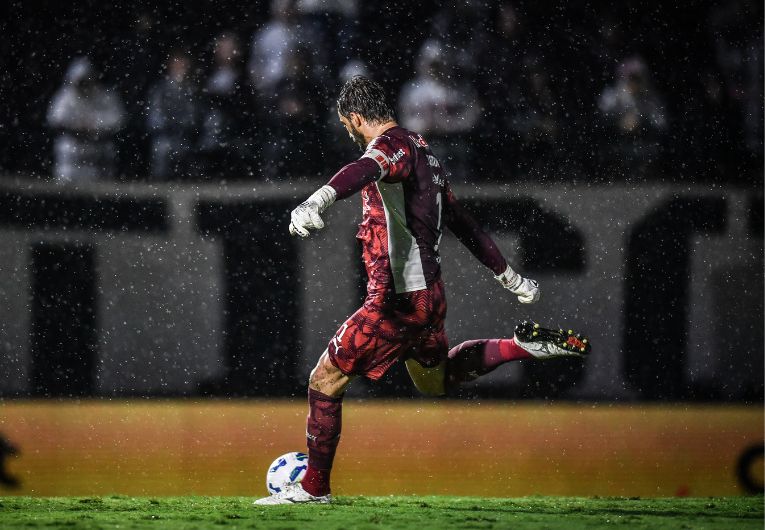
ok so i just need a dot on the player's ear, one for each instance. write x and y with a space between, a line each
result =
356 119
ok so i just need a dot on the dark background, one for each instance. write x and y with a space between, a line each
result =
580 45
677 41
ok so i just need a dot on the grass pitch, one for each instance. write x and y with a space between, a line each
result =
420 513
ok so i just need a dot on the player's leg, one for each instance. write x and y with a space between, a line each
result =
474 358
326 387
427 381
328 378
471 359
435 369
368 344
427 357
465 362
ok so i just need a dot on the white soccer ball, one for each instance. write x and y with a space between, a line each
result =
287 469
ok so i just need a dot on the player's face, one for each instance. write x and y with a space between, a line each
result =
353 132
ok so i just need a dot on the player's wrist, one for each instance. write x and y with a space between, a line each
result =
323 197
526 289
509 279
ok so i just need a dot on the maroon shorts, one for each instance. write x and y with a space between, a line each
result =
389 327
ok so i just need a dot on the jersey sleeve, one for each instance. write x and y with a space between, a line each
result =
353 177
385 159
470 233
393 157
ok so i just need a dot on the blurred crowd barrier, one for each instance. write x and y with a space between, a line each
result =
497 449
142 290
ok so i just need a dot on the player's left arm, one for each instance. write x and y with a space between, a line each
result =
375 164
483 247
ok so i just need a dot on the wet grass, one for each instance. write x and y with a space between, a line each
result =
420 513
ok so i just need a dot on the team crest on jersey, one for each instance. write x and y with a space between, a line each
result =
419 140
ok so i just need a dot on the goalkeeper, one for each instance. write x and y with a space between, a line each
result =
406 201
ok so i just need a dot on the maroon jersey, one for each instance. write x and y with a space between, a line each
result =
402 213
406 202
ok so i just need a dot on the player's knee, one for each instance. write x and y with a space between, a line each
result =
328 378
314 380
428 381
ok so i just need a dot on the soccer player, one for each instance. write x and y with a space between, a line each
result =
406 202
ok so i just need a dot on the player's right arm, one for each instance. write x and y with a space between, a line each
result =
350 179
375 164
483 247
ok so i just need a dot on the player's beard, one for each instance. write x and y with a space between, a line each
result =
358 138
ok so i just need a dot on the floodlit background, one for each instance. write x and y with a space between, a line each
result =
157 323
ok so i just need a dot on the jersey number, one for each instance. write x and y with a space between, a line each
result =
439 201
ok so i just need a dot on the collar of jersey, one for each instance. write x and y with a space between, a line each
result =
381 134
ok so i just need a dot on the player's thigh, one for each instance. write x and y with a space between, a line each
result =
426 361
428 381
328 378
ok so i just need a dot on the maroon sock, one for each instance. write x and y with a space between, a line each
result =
323 432
474 358
316 481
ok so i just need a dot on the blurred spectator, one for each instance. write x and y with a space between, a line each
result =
737 44
442 108
607 45
86 116
753 97
719 142
499 76
333 23
294 147
506 47
460 29
275 44
227 141
173 120
135 65
529 121
634 112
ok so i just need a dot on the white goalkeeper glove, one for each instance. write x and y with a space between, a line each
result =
527 290
307 216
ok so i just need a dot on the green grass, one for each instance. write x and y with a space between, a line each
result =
419 513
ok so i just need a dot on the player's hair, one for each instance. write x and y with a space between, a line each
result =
365 97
